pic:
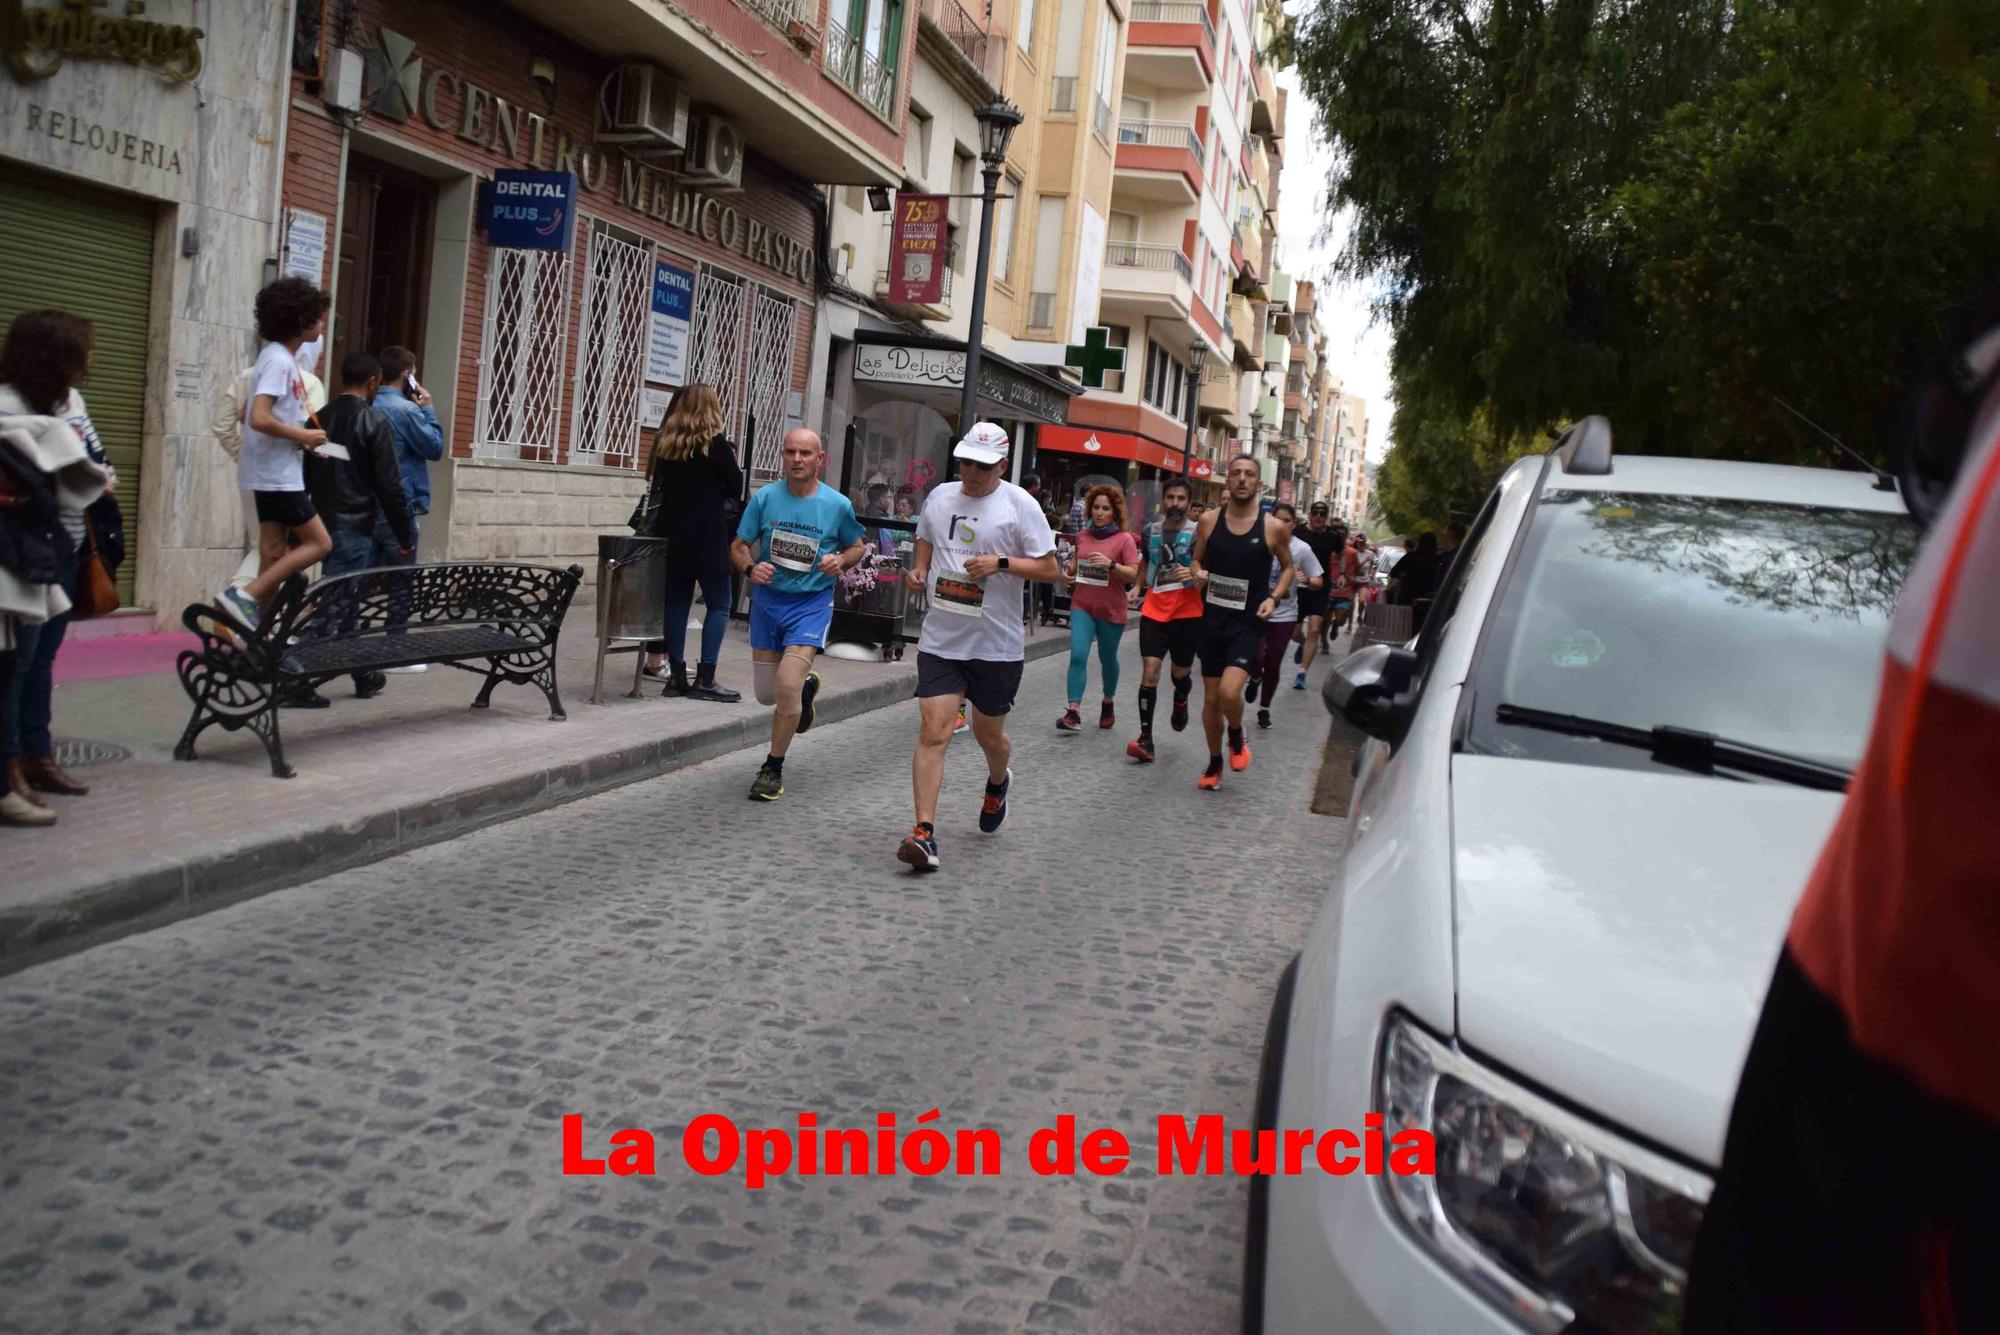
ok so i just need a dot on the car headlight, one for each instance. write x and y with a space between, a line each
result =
1552 1218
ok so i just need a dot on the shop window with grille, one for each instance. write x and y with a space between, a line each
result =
767 376
522 351
610 364
720 328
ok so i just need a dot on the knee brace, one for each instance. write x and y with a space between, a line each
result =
764 679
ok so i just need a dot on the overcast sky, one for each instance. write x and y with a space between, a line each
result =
1357 350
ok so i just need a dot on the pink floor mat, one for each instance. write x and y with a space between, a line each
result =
119 656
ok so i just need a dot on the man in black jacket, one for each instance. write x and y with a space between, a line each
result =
361 498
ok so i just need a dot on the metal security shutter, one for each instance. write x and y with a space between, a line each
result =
90 252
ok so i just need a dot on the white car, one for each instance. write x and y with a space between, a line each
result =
1594 786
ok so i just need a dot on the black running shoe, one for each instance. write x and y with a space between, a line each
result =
806 695
1179 718
1263 718
768 786
919 850
993 810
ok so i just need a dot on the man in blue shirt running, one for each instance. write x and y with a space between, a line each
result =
795 538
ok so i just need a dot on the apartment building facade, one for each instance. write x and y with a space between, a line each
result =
697 138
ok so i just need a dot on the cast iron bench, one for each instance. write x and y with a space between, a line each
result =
495 619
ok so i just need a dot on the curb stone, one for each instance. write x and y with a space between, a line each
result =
77 913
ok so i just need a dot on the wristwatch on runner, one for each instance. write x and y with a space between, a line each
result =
1003 563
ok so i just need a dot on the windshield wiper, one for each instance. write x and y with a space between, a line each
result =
1685 748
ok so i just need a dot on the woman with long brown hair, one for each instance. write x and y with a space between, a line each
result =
698 483
45 357
1106 565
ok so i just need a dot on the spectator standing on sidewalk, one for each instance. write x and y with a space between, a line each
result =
700 489
1105 566
290 312
361 497
45 357
419 438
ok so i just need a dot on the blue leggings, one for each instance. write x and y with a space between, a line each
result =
1083 628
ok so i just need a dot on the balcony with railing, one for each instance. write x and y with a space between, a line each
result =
1148 279
781 14
1170 45
1100 116
848 61
959 29
1160 161
1218 399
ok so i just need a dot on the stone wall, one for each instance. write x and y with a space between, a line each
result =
541 513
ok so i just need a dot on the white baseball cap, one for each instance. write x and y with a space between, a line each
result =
986 443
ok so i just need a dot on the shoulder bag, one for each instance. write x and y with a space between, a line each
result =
96 591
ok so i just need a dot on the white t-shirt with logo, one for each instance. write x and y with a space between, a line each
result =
1305 566
271 463
978 619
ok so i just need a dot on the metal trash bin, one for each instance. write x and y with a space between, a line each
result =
631 601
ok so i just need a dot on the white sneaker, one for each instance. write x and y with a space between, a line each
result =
411 670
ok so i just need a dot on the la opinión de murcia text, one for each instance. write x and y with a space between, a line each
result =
712 1145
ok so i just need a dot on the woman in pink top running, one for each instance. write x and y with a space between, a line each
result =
1105 566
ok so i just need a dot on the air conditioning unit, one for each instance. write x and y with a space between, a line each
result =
714 153
642 106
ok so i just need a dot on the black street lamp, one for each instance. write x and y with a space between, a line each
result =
996 126
1197 357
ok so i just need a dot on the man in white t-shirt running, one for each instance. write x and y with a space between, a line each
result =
978 539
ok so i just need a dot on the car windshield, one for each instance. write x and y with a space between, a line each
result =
1758 622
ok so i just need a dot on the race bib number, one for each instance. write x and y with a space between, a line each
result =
960 597
1228 593
1097 576
1165 585
793 551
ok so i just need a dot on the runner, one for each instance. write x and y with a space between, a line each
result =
795 537
1284 622
1170 618
1325 540
1106 564
986 536
1233 551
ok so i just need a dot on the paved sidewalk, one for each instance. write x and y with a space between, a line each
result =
157 840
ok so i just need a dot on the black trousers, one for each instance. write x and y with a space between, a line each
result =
1849 1198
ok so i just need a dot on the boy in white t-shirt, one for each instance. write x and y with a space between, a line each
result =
978 539
291 536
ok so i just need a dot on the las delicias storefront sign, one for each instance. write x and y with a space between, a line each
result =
400 87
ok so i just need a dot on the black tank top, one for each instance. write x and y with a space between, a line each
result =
1239 570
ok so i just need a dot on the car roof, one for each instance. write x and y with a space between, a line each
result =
1783 484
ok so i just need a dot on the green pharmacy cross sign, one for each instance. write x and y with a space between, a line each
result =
1094 356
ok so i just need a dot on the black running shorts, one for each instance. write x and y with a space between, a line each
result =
293 509
1235 643
1177 639
1312 603
990 687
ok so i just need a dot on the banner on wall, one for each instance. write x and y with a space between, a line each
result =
917 250
673 316
531 210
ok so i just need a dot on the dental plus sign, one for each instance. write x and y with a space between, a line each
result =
1094 356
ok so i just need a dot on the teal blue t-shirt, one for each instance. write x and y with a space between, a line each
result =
794 532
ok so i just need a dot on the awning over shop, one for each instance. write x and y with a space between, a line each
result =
1108 445
931 370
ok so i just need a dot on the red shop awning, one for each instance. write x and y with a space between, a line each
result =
1107 445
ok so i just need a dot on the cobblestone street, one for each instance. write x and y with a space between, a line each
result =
338 1107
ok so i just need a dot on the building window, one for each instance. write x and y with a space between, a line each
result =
1048 261
863 54
610 363
524 343
1003 230
1026 36
1107 67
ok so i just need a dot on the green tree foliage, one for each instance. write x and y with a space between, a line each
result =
1667 211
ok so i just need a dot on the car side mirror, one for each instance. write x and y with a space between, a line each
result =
1369 688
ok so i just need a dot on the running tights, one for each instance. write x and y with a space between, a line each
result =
1277 646
1083 630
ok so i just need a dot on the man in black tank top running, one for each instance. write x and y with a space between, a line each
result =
1234 549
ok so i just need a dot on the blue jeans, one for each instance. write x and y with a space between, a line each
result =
27 681
355 550
1083 629
682 576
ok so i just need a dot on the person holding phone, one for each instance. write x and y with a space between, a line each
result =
419 438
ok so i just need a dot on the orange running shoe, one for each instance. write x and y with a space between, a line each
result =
1211 778
1239 753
